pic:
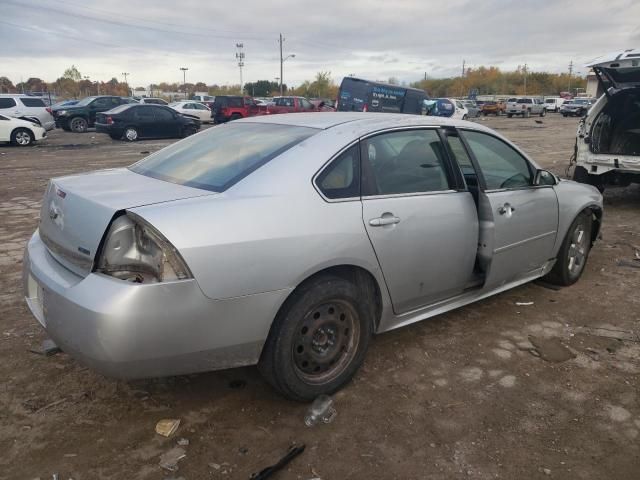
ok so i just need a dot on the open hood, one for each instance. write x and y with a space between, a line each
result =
618 70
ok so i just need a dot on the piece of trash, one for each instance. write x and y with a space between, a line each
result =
167 426
628 263
524 304
215 466
293 452
146 152
237 384
47 348
183 442
321 410
169 460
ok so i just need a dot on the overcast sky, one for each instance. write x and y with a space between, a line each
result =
151 39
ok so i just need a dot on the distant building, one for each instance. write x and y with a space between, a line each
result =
594 90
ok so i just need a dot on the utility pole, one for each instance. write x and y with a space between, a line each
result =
281 63
570 73
184 80
524 70
463 65
240 58
126 74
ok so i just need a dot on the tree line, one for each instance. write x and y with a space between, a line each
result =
484 80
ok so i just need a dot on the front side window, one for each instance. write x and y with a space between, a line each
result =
162 114
220 157
101 103
341 179
411 161
501 165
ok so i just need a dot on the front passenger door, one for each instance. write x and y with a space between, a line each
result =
519 221
423 229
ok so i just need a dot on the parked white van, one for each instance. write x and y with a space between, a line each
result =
553 104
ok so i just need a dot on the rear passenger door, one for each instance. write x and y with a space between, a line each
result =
519 221
422 225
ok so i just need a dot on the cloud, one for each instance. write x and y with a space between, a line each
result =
151 39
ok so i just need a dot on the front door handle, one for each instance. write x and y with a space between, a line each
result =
382 221
506 209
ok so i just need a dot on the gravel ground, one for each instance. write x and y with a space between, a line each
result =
458 396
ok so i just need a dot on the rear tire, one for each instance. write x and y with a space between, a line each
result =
464 117
130 134
581 175
318 340
22 137
573 253
235 116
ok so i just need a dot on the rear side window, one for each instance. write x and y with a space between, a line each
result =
411 161
341 179
32 102
236 102
7 102
144 113
222 156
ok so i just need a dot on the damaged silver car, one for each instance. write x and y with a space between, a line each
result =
287 241
607 148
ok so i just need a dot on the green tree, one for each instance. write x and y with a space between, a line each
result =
260 88
72 73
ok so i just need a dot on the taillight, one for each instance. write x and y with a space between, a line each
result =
365 108
109 120
49 110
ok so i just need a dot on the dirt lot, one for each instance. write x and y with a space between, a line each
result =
457 396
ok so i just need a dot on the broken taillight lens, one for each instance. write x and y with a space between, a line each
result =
135 251
109 121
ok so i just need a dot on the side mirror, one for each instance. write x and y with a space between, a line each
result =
544 178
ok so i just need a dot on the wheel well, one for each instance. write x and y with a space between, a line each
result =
596 215
22 128
362 278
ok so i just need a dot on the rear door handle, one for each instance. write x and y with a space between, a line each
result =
382 221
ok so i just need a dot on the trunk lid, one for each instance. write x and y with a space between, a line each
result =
77 210
619 70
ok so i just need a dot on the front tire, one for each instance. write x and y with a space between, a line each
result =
543 112
464 117
318 340
78 125
22 137
573 253
188 131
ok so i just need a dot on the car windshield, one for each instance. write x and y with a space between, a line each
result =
218 158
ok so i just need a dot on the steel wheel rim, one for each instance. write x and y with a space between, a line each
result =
131 134
23 138
577 250
326 341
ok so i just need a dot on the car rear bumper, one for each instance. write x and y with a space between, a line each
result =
109 129
130 330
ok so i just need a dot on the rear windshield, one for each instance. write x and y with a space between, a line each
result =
120 108
220 157
524 100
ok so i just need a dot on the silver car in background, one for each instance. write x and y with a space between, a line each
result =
287 241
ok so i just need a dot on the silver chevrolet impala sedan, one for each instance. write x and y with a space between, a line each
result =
287 241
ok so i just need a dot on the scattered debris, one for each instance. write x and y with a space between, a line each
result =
539 121
593 354
524 304
546 471
145 152
628 263
215 466
321 410
551 349
47 348
169 460
167 426
243 450
293 452
183 442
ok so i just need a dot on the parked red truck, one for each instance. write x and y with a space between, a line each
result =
228 107
291 105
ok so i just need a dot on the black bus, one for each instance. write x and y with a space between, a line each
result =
358 95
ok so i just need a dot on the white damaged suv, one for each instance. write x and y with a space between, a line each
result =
607 150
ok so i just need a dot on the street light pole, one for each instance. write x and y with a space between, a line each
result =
125 81
240 57
281 63
184 80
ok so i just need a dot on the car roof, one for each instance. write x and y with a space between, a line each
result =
359 121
